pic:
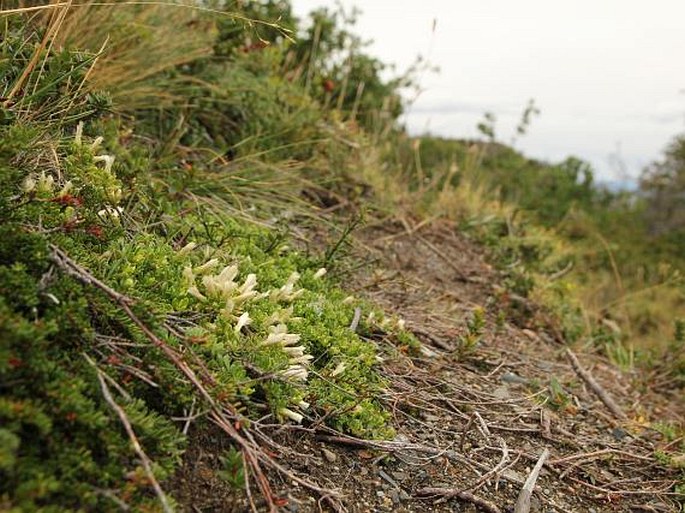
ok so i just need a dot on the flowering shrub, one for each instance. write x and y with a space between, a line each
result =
264 320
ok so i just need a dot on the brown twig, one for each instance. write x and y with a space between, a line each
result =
523 501
145 461
596 387
467 496
495 470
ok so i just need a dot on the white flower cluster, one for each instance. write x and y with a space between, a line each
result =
204 284
45 184
298 360
114 192
287 292
221 286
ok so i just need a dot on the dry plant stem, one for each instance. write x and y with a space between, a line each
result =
145 461
355 321
467 496
396 447
596 387
523 501
601 452
496 470
218 413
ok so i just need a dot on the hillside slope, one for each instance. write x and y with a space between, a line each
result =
228 284
470 422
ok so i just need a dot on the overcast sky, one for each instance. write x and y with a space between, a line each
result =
608 75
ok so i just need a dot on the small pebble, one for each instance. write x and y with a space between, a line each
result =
619 434
399 476
330 456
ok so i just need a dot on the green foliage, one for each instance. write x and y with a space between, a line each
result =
233 471
557 397
42 84
475 327
164 227
663 185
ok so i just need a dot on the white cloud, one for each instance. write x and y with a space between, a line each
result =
602 73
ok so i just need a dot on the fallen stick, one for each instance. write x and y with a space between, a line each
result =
523 501
144 459
596 387
467 496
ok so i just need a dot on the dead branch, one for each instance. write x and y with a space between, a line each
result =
467 496
596 387
495 470
145 461
523 501
601 452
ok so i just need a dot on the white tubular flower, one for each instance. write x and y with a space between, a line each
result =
292 279
28 185
294 351
188 276
194 291
78 136
296 294
348 300
301 360
320 273
218 287
96 143
279 335
243 321
187 248
45 183
247 289
227 311
111 213
249 284
304 405
295 372
66 189
228 273
295 417
107 159
208 265
401 323
339 369
287 292
290 339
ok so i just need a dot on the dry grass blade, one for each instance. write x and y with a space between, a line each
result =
523 501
